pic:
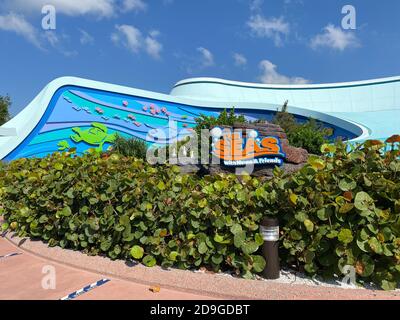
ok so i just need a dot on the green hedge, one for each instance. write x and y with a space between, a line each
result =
341 209
124 207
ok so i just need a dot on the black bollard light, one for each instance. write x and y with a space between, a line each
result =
270 231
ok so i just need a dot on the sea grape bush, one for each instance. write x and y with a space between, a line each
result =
341 209
124 207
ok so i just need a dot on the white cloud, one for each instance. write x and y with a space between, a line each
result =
154 33
239 59
256 4
51 38
195 63
334 38
59 42
207 58
270 75
133 5
85 38
153 47
99 8
133 39
128 36
17 23
272 28
289 2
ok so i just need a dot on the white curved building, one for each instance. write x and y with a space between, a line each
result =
80 113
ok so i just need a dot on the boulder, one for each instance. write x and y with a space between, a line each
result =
294 155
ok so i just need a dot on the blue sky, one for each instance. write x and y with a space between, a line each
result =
153 44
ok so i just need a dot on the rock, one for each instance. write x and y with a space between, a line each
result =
294 155
189 168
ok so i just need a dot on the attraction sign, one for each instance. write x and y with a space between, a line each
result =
238 149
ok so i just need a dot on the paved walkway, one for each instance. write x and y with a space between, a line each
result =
21 277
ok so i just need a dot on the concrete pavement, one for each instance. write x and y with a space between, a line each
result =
21 277
26 277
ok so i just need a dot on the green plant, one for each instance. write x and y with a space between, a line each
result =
170 152
5 103
225 118
130 147
310 135
343 209
285 119
124 208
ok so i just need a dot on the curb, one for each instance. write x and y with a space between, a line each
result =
217 286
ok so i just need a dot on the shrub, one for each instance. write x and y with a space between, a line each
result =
225 118
310 135
285 119
170 151
5 103
130 147
123 207
343 209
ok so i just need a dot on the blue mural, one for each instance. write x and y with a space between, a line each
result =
83 118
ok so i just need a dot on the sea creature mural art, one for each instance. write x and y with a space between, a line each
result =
96 136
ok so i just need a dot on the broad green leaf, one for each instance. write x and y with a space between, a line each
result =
363 201
345 236
309 225
259 263
137 252
149 261
249 247
239 239
202 247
